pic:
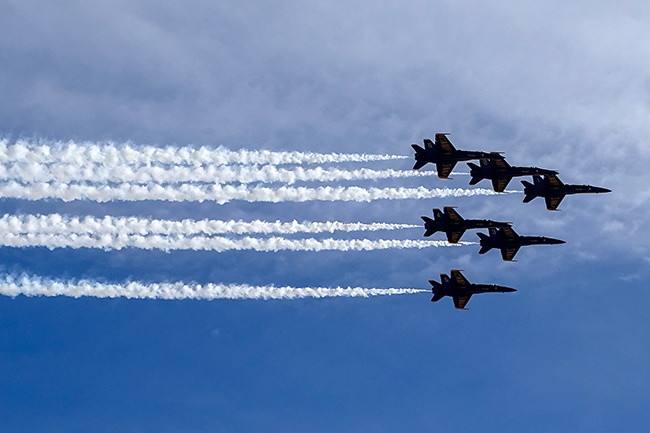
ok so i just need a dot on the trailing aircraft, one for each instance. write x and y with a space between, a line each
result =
509 242
553 190
500 172
454 225
444 155
460 289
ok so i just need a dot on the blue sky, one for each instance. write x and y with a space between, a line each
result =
557 85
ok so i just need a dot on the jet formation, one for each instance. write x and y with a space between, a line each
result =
502 236
460 289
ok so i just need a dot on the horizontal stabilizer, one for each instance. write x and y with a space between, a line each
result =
529 197
419 164
475 180
484 249
437 297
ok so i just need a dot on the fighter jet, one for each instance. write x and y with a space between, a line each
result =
444 155
460 289
500 172
454 225
509 242
553 190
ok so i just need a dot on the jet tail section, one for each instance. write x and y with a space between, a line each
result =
437 297
419 151
428 224
484 248
475 171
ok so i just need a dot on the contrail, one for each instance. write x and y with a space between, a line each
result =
204 243
110 154
110 225
97 173
224 194
35 286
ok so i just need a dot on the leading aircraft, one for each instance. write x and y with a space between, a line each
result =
460 289
455 225
500 172
509 242
444 155
553 190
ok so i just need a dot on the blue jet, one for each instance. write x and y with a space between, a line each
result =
444 155
553 190
460 289
500 172
455 225
509 242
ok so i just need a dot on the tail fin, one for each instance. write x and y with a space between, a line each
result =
437 214
418 153
428 225
484 238
538 180
475 172
528 187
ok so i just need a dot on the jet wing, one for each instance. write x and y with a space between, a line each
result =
552 202
509 233
452 214
500 163
444 144
444 169
461 301
459 278
454 237
500 185
553 180
509 253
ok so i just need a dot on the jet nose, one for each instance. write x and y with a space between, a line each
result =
508 289
601 190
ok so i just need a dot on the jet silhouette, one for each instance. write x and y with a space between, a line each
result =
444 155
553 190
509 242
460 289
454 225
500 172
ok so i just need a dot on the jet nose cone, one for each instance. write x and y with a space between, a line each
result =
508 289
600 190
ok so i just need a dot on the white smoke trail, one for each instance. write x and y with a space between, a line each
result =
109 225
110 154
203 243
35 286
68 173
224 194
